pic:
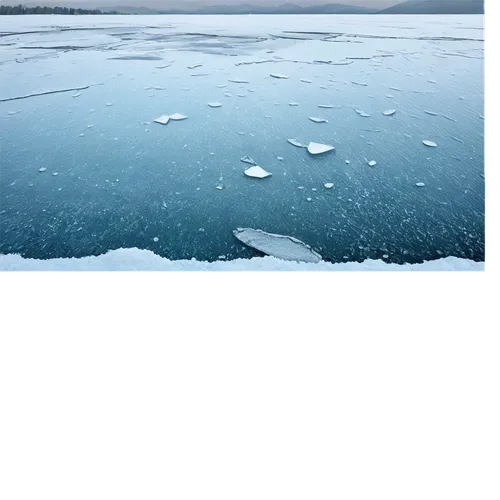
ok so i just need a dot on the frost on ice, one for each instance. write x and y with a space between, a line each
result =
429 144
277 245
316 148
257 172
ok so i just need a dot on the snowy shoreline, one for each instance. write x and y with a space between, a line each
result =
134 259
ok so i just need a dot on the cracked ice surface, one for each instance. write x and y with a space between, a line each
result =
122 183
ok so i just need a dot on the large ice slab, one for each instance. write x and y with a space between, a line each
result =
277 245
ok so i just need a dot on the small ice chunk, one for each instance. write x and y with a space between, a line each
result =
277 245
77 94
396 89
280 158
201 230
278 75
221 257
372 163
54 173
419 184
178 116
218 187
228 94
221 86
309 199
347 162
315 119
316 148
313 189
295 142
247 159
432 81
193 66
300 187
42 169
429 144
215 104
305 80
389 112
432 113
362 113
251 90
385 256
241 133
293 103
326 106
329 185
90 126
155 239
390 96
109 104
163 119
239 81
257 172
241 95
362 84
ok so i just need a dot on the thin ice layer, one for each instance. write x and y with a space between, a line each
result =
277 245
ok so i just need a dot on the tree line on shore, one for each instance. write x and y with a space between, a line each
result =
8 10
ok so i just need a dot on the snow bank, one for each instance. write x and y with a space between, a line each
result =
133 259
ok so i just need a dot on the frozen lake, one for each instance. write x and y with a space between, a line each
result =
179 189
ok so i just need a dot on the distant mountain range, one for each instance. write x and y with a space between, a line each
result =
287 8
407 7
436 7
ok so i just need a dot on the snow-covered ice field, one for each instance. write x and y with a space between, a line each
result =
85 169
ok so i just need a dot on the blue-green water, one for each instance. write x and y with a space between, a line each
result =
123 181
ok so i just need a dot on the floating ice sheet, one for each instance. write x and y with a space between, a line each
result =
257 172
163 119
247 159
277 245
315 148
295 142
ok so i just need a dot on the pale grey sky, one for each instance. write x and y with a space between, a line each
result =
158 4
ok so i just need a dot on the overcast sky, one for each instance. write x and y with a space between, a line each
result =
159 4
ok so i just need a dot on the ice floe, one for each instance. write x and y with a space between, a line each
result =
316 119
257 172
295 142
247 159
178 116
429 144
329 185
389 112
277 245
163 119
215 104
372 163
42 169
420 184
315 148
